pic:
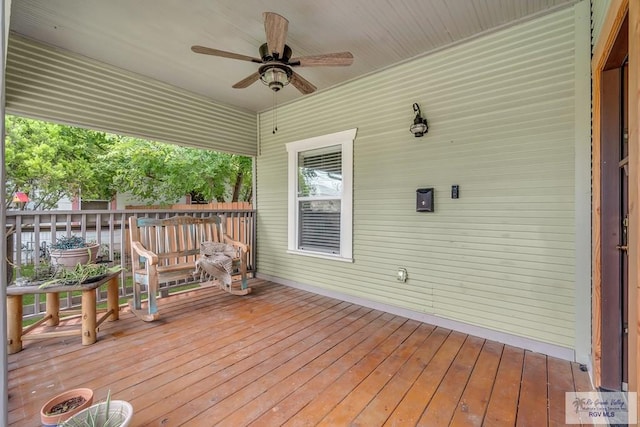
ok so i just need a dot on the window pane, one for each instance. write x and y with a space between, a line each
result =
320 172
319 226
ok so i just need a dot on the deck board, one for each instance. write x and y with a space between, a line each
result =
503 403
357 400
473 404
283 356
532 408
379 409
271 398
440 410
562 381
399 330
411 407
213 381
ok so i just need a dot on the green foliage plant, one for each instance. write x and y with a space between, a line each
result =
48 162
82 273
69 242
96 416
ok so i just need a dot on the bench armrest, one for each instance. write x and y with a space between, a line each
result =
239 245
152 259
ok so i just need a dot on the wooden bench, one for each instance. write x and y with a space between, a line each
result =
166 250
90 322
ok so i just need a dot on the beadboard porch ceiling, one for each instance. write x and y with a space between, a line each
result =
153 37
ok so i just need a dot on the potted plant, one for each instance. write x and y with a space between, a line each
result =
110 413
61 407
80 274
69 251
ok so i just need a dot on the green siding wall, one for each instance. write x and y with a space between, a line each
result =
502 116
60 86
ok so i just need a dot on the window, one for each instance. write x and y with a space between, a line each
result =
197 198
320 195
94 205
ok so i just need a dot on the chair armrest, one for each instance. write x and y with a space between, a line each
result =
151 258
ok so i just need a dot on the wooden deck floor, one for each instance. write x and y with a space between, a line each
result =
282 356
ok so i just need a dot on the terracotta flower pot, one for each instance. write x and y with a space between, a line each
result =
54 420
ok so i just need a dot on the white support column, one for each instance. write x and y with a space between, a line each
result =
583 182
5 12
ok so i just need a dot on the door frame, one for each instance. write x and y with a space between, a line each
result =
618 11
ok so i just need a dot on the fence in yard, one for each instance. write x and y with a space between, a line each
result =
33 232
216 206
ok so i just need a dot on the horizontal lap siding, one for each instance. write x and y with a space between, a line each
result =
501 116
59 86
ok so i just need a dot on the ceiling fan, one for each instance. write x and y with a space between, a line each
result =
275 58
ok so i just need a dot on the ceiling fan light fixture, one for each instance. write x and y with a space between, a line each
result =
276 76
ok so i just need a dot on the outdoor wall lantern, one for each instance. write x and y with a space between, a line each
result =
419 126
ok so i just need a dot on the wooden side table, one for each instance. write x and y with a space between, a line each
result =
90 322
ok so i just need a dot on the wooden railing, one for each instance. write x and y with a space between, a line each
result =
34 231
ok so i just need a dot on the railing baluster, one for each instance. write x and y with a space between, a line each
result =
18 245
124 253
37 243
68 226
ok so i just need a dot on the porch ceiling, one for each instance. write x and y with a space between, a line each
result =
153 37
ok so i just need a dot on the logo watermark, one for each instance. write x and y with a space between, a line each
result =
614 408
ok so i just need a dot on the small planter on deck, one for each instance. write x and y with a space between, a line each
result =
63 406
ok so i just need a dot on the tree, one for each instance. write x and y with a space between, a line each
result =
162 173
49 161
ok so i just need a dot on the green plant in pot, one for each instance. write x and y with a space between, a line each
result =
110 413
69 251
80 274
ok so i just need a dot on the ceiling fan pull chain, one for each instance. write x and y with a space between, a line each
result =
275 112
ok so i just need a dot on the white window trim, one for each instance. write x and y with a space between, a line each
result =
345 139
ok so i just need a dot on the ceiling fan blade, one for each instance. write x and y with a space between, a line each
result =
247 81
302 84
216 52
275 27
328 59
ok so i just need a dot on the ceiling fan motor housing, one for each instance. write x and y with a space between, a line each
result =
268 56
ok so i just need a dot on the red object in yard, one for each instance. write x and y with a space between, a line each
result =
20 197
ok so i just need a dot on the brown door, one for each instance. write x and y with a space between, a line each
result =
615 209
624 199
